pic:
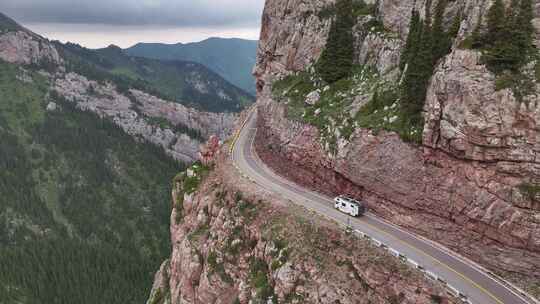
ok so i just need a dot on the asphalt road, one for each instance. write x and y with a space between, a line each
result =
460 276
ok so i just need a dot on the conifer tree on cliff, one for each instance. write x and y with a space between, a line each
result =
525 28
496 22
337 58
412 39
503 32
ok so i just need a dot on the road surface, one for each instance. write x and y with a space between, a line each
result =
462 278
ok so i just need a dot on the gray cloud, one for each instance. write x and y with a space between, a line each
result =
137 12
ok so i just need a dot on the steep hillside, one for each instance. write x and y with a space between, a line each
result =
7 24
81 200
185 82
233 59
233 243
87 79
435 124
86 162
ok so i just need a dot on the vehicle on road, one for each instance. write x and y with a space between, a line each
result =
349 206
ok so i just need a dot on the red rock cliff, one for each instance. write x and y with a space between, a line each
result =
461 187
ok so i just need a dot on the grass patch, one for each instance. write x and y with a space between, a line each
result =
384 113
217 267
201 232
258 273
334 114
331 115
158 297
530 191
280 254
194 176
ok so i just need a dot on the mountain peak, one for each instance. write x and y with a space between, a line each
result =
114 47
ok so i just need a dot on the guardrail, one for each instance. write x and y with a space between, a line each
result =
451 290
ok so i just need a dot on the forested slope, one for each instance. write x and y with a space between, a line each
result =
85 207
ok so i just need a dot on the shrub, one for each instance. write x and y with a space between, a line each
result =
336 61
530 191
259 279
158 297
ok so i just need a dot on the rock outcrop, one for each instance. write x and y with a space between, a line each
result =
23 47
209 151
178 129
462 187
232 244
145 116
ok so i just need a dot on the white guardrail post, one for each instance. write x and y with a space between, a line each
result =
451 290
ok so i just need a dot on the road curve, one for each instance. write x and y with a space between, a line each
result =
470 281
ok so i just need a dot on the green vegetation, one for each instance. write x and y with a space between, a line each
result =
163 123
201 232
193 177
507 45
218 267
336 60
158 297
232 59
185 82
426 44
189 182
336 115
259 281
280 254
7 24
82 202
530 191
507 42
192 133
358 7
339 112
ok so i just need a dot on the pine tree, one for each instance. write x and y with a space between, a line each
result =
337 58
508 40
413 39
524 28
416 78
496 22
456 24
441 40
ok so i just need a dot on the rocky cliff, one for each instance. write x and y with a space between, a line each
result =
467 186
233 244
178 129
145 116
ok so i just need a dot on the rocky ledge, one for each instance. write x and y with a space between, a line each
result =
231 243
464 187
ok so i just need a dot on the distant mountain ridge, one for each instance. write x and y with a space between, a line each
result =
186 82
231 58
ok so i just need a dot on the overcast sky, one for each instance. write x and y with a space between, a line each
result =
98 23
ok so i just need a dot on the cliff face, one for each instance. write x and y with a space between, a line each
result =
463 187
23 47
146 116
232 244
179 130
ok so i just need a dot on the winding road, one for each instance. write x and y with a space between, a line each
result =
462 278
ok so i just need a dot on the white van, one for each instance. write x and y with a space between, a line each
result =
349 206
